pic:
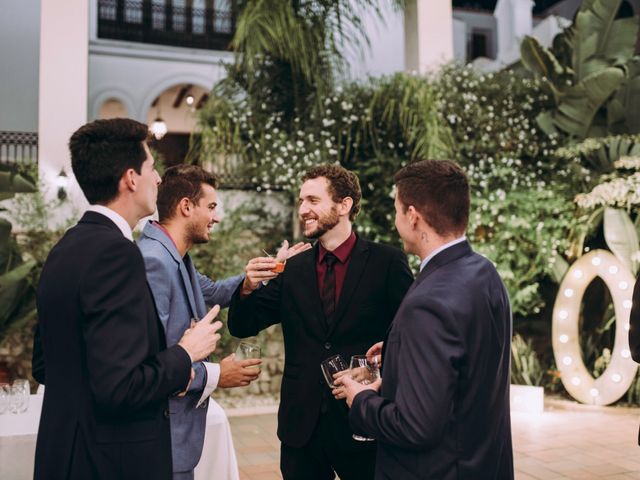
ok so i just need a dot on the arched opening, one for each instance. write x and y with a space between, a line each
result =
112 108
626 10
176 108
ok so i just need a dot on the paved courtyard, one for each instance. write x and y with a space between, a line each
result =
565 442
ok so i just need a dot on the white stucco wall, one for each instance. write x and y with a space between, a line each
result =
477 20
386 53
19 57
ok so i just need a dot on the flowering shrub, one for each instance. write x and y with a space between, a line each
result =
521 192
522 208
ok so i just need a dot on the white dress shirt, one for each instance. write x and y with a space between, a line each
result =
440 249
115 217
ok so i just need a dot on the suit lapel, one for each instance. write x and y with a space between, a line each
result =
358 261
158 235
306 279
188 286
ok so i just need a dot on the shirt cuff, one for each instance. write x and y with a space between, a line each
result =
213 375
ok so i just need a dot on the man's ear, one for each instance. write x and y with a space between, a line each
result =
128 181
185 207
414 216
345 205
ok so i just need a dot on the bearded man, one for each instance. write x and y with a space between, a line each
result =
337 298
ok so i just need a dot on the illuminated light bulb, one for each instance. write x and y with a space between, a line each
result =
596 261
577 273
575 381
627 304
616 377
625 353
568 292
623 285
613 269
594 392
564 338
563 314
567 360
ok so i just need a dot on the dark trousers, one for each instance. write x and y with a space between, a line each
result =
326 454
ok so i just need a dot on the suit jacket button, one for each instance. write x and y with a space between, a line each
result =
166 413
327 346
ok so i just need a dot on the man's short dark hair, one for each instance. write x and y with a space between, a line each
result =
439 191
342 184
182 181
101 151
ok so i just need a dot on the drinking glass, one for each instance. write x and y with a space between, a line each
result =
364 371
247 350
331 366
23 390
4 397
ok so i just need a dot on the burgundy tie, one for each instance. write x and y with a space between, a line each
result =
328 294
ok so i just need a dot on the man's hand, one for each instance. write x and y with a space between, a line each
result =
339 393
234 373
201 339
285 252
352 388
374 354
258 270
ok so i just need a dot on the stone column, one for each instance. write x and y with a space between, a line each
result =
62 102
428 34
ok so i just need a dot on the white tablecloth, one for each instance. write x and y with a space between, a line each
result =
18 444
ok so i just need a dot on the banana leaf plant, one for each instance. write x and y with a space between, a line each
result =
17 292
591 72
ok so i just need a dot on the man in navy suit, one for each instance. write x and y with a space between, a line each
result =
442 409
99 346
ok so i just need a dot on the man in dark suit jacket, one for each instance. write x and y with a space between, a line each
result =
443 409
336 298
634 326
99 347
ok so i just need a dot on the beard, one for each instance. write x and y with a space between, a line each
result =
324 223
197 234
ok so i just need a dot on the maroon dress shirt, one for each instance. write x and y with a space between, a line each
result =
343 254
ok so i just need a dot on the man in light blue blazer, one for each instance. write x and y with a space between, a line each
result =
186 207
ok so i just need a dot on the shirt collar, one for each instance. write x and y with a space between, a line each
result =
342 252
440 249
165 231
115 217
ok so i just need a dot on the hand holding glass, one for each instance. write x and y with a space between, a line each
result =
364 371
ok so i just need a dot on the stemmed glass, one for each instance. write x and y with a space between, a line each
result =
365 371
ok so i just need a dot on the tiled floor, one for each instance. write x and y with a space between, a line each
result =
564 442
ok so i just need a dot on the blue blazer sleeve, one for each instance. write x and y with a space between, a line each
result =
428 352
218 292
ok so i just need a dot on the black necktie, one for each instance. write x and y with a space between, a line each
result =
328 294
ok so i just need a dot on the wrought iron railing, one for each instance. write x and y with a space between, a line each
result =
18 148
169 22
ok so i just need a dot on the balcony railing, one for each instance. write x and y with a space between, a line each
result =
18 148
209 24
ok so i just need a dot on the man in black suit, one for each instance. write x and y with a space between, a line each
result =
336 298
443 409
634 326
99 346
